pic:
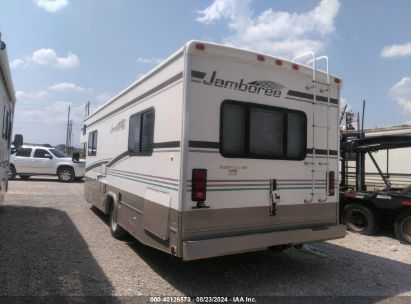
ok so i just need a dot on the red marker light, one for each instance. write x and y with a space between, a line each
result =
200 46
336 80
279 62
260 58
295 67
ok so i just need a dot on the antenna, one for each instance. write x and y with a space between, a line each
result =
362 119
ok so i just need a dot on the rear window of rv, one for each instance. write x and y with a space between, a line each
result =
141 133
92 143
249 130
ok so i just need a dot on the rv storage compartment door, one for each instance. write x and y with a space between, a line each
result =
156 212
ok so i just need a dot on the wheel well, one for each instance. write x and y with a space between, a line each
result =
11 165
401 210
109 202
361 202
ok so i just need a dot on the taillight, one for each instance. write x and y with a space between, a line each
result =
331 183
406 203
199 185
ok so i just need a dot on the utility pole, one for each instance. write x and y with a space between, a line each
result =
87 108
67 131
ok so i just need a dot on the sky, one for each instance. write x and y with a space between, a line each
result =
65 52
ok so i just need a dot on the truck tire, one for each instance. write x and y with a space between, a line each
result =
12 173
403 226
65 174
115 229
361 219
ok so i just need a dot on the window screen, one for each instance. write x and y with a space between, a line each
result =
266 132
255 131
24 152
141 133
40 153
148 132
233 128
296 138
92 143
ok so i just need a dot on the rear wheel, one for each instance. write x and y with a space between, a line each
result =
66 174
361 219
403 227
11 173
116 231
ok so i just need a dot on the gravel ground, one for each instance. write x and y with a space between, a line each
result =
53 243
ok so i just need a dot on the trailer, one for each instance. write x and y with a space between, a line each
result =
219 151
365 210
7 103
395 164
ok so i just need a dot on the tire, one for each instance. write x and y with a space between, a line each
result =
115 229
361 219
403 227
24 176
12 173
66 174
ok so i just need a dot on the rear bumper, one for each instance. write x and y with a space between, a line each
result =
201 249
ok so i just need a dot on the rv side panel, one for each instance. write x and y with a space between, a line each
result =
136 165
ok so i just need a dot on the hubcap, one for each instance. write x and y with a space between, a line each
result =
65 175
406 229
357 221
9 173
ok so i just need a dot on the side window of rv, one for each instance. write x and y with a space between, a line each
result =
250 130
92 143
141 133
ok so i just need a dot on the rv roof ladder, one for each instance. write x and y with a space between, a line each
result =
312 62
314 88
327 85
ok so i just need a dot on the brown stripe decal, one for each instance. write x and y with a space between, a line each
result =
322 151
98 164
166 144
311 96
203 144
117 158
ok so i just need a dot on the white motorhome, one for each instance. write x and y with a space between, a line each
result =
7 102
218 151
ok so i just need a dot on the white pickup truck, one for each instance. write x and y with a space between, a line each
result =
36 160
